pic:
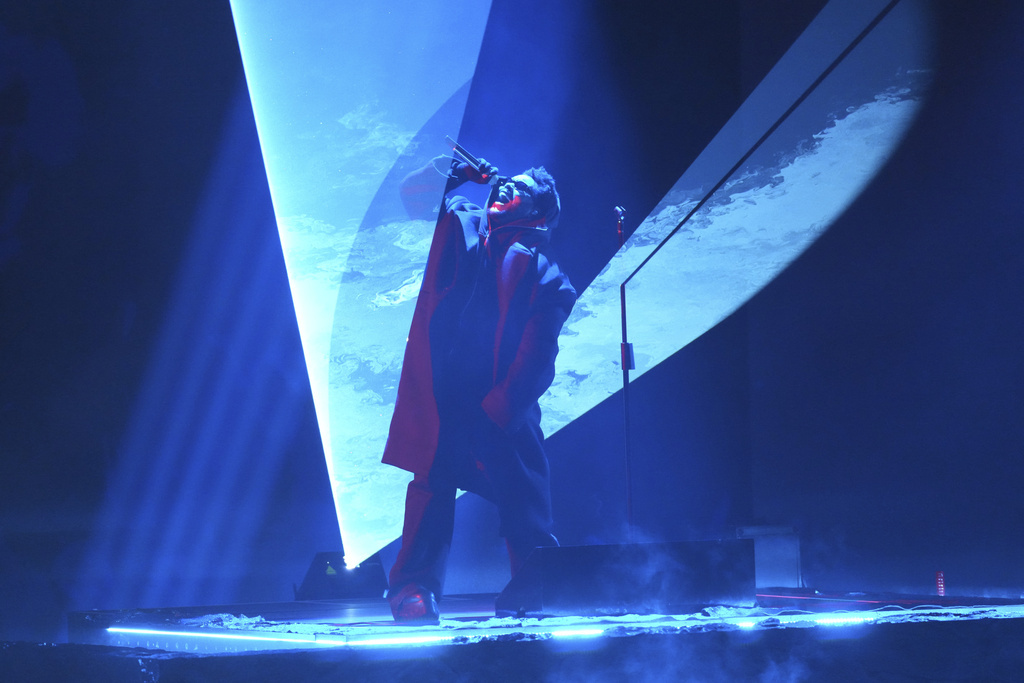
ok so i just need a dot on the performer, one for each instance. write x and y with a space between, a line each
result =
480 353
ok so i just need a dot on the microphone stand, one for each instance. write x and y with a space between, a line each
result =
628 363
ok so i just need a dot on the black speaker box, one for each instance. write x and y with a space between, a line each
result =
640 578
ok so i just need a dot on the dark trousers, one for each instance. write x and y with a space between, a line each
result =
512 473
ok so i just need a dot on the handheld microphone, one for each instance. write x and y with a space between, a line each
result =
620 218
463 154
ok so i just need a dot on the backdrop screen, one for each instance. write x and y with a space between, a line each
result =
350 97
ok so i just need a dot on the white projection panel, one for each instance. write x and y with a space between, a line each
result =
339 91
767 214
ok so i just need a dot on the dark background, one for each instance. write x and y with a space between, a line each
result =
871 396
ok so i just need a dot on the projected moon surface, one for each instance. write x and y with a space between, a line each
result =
355 265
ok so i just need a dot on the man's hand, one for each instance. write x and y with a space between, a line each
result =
464 172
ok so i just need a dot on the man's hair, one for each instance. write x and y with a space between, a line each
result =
546 199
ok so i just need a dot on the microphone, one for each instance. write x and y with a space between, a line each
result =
620 218
474 162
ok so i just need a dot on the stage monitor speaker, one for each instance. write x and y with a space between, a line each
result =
328 579
641 578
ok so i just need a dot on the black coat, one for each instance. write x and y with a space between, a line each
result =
529 301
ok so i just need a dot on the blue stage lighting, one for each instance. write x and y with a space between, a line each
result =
577 633
402 640
295 640
205 445
843 621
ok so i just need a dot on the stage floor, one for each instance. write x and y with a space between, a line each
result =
363 624
787 635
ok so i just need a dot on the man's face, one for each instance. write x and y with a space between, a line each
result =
514 202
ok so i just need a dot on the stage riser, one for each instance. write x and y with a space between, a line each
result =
643 578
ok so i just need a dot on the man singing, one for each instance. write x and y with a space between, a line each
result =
480 353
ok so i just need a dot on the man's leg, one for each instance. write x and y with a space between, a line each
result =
417 577
521 488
